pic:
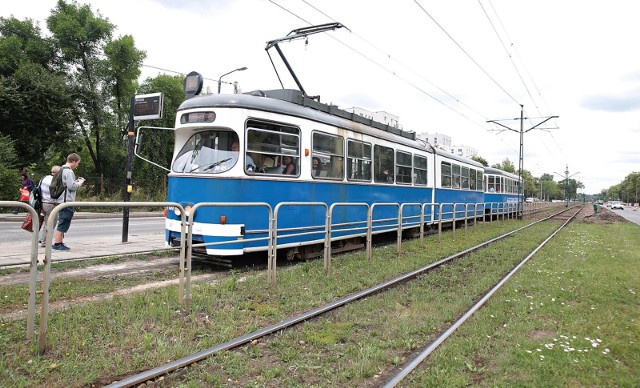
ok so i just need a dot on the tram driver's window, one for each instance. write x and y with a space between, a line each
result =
208 152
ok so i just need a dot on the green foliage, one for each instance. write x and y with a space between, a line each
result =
9 185
627 190
34 97
8 156
506 165
480 160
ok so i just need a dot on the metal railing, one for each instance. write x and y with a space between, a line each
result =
42 340
429 214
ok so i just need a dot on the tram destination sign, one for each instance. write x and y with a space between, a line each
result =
148 106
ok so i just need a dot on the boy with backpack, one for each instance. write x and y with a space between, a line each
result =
67 179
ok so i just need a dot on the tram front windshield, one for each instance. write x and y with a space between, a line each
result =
208 152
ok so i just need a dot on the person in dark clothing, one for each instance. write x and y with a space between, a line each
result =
27 184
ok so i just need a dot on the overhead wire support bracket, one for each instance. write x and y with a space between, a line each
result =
298 34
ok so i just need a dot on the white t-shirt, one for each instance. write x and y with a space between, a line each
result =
44 188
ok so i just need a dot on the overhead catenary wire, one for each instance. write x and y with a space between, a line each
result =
516 67
376 63
391 57
466 53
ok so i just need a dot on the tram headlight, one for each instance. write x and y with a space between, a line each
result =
187 210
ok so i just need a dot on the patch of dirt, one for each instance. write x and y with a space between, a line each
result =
63 304
604 216
129 267
540 335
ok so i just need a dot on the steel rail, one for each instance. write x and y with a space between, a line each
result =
191 359
410 366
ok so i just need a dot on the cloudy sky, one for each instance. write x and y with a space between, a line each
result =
441 66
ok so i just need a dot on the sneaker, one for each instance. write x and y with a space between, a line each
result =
61 247
43 244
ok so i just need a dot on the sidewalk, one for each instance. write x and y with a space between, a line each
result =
19 253
79 214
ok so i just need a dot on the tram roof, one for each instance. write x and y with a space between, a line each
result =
496 171
293 103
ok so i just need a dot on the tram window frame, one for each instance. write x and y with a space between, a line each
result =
420 170
268 143
329 149
473 179
456 176
480 181
384 160
445 175
491 183
403 170
358 161
465 178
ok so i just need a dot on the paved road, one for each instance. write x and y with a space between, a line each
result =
88 237
630 213
85 229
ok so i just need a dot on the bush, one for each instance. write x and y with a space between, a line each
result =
9 185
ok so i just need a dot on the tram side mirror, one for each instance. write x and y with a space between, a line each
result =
139 144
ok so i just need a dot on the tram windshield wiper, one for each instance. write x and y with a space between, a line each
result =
210 166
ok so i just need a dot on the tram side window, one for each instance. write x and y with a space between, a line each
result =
445 174
491 184
403 167
479 180
328 152
358 161
472 179
419 170
274 148
384 162
465 178
455 174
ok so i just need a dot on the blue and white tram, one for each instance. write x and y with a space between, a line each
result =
501 191
279 146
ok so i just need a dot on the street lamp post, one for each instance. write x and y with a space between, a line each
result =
232 71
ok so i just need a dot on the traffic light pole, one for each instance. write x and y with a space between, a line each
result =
127 181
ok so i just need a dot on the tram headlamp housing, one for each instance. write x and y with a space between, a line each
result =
187 210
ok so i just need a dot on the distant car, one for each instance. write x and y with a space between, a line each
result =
617 205
529 200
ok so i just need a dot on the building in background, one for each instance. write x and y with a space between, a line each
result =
379 116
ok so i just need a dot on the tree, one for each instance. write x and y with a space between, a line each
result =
81 37
506 165
480 160
34 98
529 184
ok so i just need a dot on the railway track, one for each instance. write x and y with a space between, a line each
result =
251 337
410 366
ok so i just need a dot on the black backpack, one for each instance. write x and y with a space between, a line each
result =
57 187
35 197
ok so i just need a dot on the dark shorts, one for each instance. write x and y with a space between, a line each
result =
64 219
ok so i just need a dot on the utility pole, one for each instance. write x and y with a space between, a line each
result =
566 182
522 131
